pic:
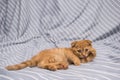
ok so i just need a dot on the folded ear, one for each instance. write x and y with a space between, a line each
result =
73 43
89 42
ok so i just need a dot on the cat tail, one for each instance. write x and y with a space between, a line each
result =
28 63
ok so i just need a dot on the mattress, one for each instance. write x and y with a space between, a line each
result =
29 26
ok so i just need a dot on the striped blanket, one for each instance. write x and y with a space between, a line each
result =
29 26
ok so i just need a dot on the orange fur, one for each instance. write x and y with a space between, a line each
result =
60 58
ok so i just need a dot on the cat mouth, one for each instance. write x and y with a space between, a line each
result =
84 57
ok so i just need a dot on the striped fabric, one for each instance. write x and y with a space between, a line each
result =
29 26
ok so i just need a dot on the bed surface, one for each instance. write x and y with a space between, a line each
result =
29 26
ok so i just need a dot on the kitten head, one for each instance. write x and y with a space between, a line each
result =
81 44
83 49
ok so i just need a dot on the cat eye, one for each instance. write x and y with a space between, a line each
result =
89 45
86 50
79 51
76 46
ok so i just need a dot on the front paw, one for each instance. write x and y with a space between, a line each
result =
93 51
90 51
77 63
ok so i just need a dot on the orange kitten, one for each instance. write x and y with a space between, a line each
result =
60 58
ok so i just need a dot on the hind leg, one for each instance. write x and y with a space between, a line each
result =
49 66
54 66
62 65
